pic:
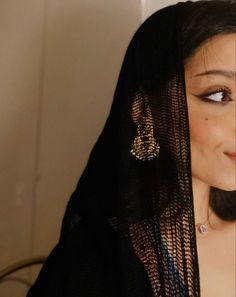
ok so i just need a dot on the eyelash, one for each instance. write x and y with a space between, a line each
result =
226 94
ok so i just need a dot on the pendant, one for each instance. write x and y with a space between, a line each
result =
202 229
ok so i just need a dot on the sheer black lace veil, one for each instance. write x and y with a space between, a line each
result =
146 196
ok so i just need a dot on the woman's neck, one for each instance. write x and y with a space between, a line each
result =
201 196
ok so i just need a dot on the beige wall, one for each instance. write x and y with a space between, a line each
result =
59 63
21 25
150 6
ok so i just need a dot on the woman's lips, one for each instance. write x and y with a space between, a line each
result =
231 156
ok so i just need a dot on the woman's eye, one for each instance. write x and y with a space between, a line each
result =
219 96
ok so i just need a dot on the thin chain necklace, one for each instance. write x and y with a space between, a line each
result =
202 227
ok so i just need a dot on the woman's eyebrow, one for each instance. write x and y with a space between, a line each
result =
226 73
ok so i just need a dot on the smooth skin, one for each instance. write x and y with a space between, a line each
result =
210 76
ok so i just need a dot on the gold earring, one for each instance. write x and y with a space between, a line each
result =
144 146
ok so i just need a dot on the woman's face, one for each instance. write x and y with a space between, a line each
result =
211 94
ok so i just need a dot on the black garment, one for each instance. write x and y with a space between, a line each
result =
146 195
98 272
137 235
88 263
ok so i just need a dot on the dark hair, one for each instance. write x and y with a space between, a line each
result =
202 21
205 19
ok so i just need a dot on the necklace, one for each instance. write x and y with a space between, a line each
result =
202 227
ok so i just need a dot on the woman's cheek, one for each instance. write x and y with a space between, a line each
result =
204 130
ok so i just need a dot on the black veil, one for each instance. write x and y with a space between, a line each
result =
135 194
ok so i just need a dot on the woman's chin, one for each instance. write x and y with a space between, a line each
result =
227 187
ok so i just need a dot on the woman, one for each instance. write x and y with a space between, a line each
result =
154 211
